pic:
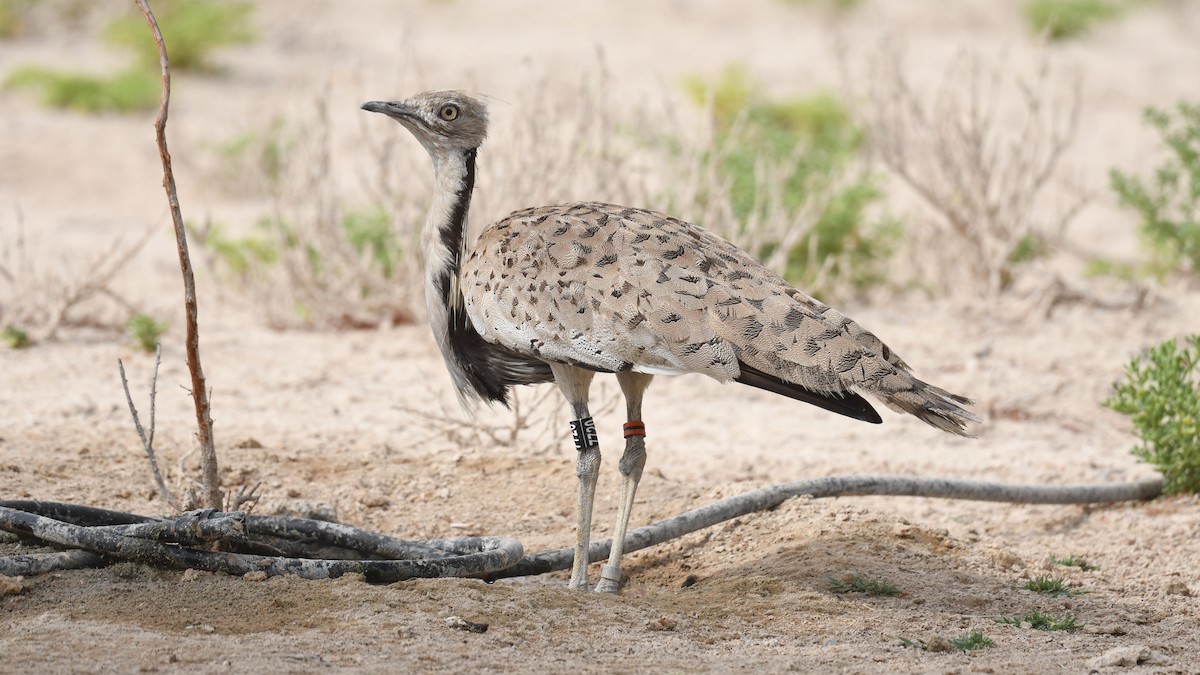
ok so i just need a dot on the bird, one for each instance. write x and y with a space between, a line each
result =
563 292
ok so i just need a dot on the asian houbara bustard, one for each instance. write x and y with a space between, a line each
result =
560 293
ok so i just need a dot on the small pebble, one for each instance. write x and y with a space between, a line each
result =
1179 588
463 624
256 575
1124 657
662 623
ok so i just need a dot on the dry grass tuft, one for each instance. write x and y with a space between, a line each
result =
41 293
982 168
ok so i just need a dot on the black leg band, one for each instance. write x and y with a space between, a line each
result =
584 432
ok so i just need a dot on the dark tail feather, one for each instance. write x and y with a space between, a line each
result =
849 404
934 406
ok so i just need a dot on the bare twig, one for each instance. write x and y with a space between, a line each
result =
244 496
980 152
148 439
210 478
40 292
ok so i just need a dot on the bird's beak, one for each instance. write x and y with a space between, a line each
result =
389 108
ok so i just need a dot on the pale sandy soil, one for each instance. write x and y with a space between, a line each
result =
326 417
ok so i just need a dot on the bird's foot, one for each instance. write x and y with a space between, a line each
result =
610 580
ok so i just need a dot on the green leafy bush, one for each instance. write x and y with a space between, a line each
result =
972 641
239 255
145 331
1063 19
813 142
370 233
1161 394
192 30
1048 585
1168 202
127 91
15 337
856 584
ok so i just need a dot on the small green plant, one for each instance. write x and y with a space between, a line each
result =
1039 621
972 641
241 256
1063 19
262 154
145 331
1169 203
1032 246
811 142
127 91
1161 394
856 584
370 233
1048 585
1074 560
192 30
15 337
1103 267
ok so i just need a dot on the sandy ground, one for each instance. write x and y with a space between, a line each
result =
327 418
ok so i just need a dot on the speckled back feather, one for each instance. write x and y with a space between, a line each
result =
613 288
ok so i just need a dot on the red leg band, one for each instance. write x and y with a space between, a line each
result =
635 428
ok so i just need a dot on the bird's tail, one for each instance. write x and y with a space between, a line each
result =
932 405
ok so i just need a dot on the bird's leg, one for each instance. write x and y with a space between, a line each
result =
633 385
574 383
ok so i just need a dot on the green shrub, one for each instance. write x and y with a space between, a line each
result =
263 155
1168 202
145 331
1047 585
814 141
127 91
15 337
972 641
370 232
239 255
856 584
192 30
1063 19
1161 394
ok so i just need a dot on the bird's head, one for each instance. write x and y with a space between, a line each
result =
443 121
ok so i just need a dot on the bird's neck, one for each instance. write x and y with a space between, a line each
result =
444 238
444 244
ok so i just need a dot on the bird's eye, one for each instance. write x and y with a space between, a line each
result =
449 112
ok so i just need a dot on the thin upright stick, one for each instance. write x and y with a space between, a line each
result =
148 439
209 478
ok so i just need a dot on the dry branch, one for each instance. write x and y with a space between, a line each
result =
148 439
39 291
980 152
210 479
